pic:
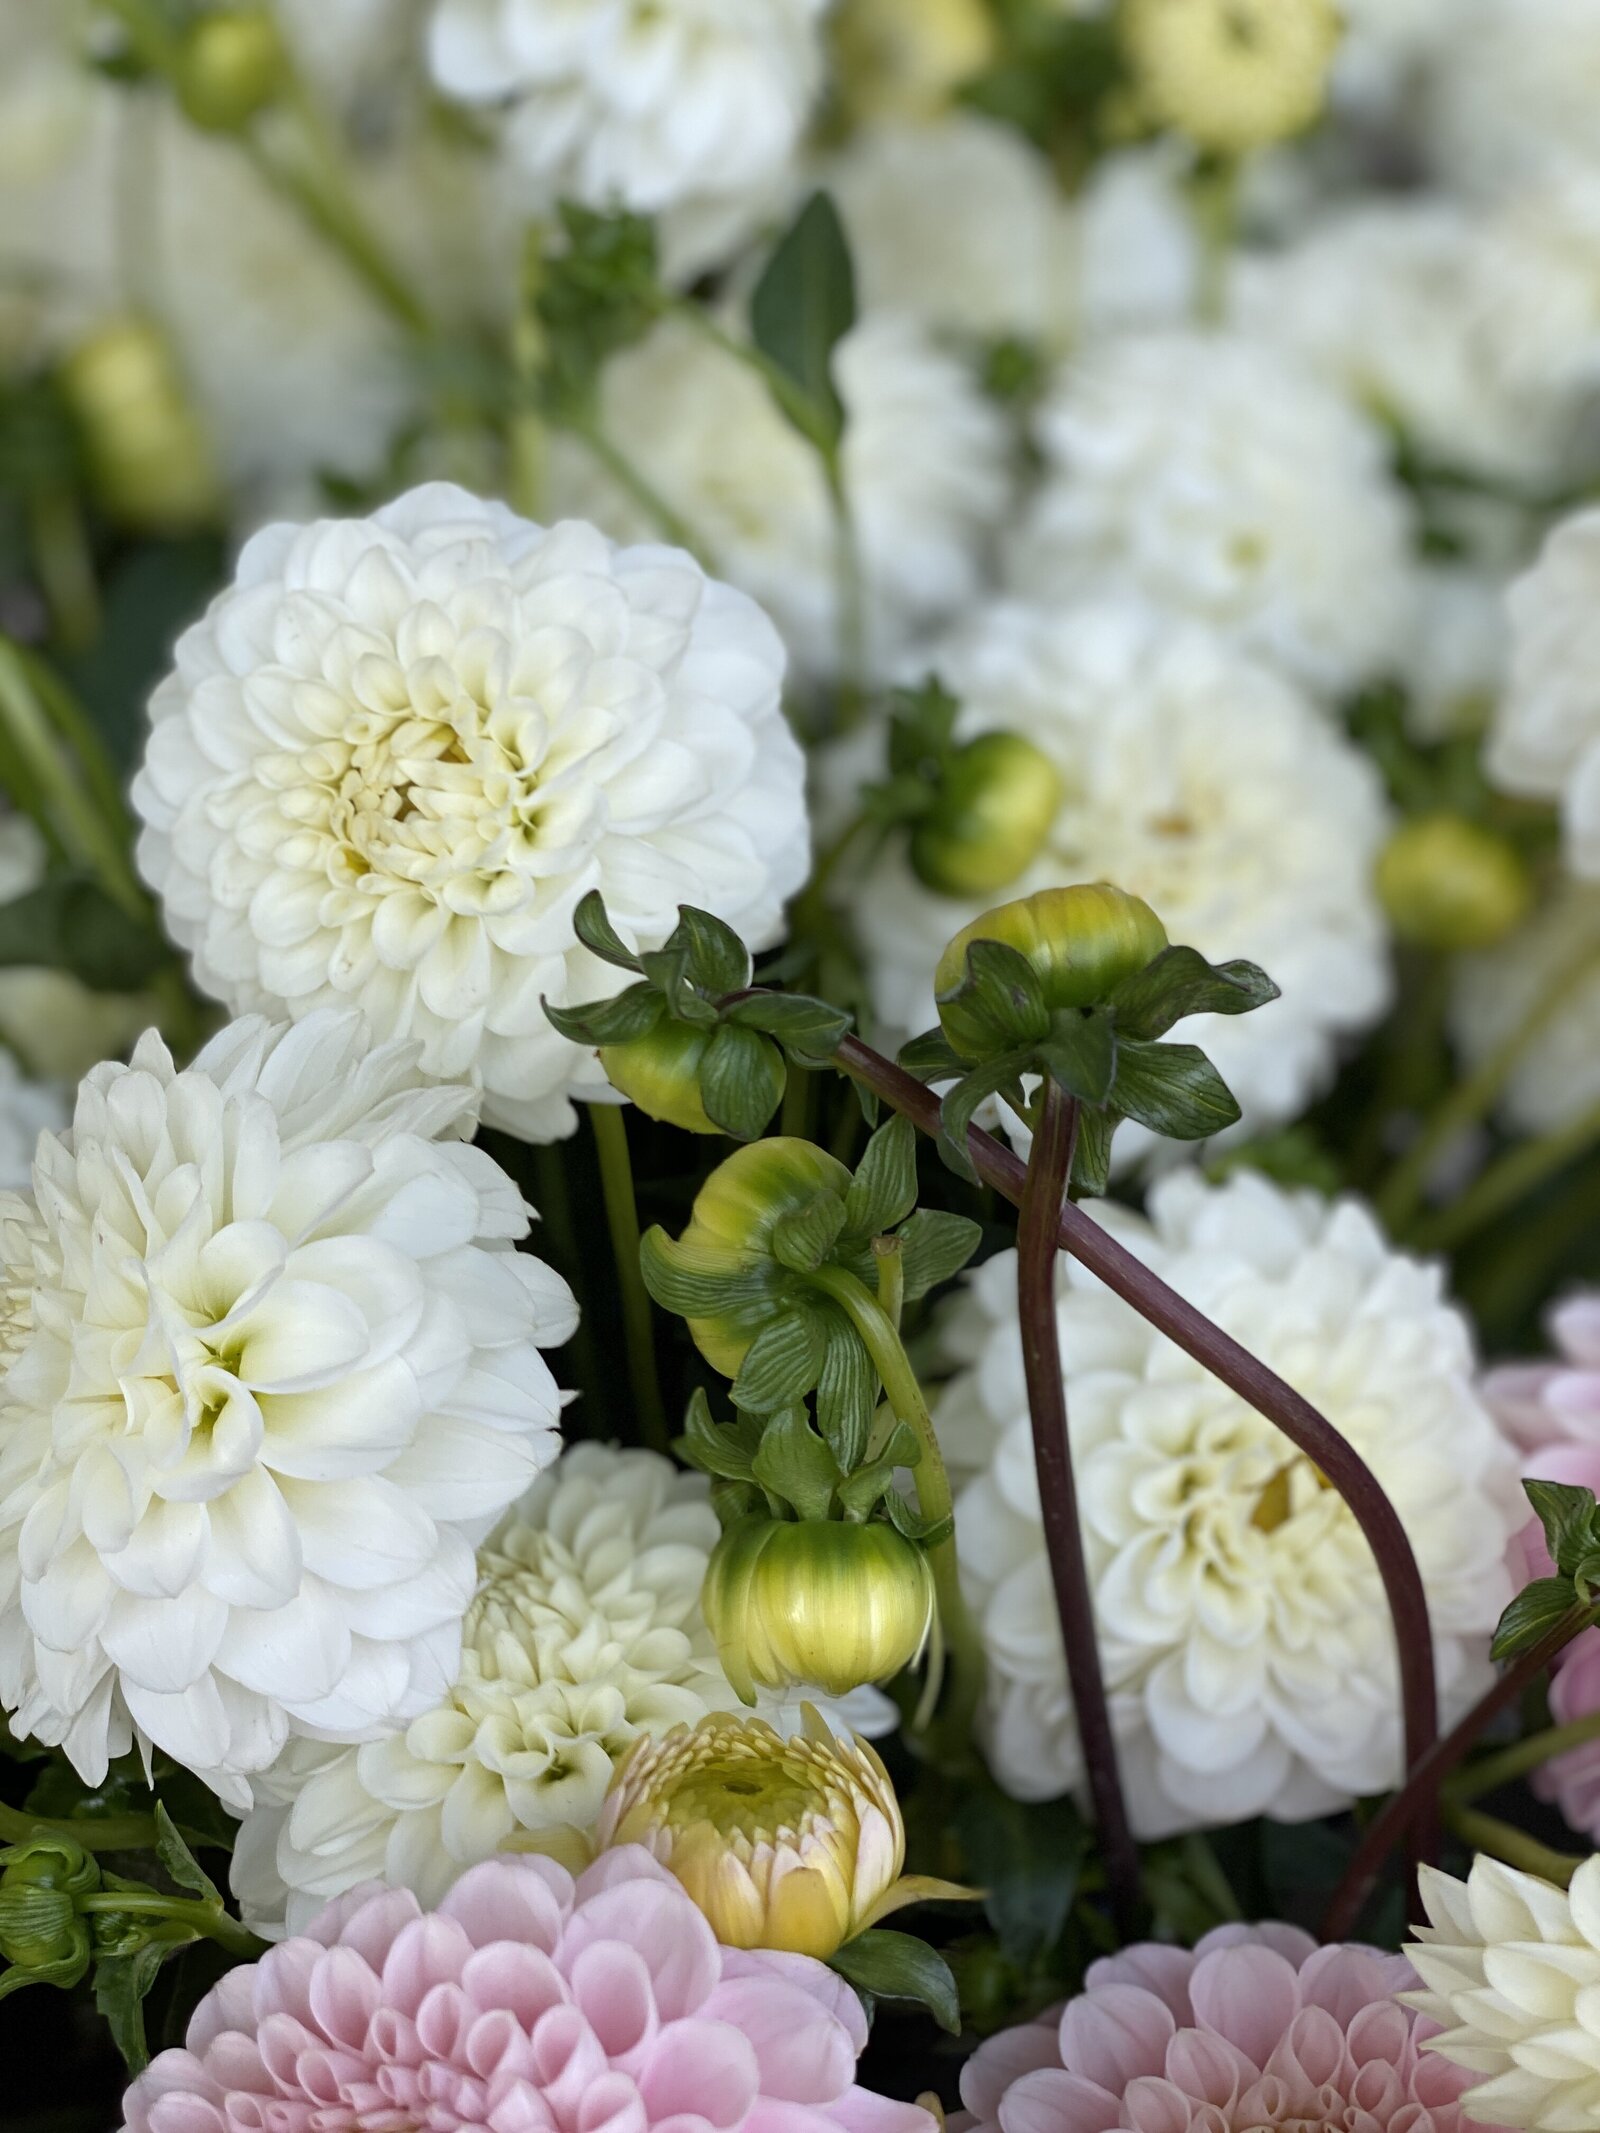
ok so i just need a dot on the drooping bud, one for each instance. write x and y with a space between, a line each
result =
1232 75
662 1072
821 1603
43 1936
999 797
232 66
148 460
1079 942
1449 884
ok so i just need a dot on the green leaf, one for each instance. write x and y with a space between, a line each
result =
1568 1517
860 1491
884 1188
804 1239
741 1082
121 1983
783 1363
802 307
795 1464
718 960
1082 1055
624 1019
1181 982
958 1106
180 1862
678 1283
598 935
1536 1609
931 1057
1001 993
725 1453
1091 1162
69 923
1173 1089
898 1966
847 1392
934 1246
809 1030
906 1519
1028 1859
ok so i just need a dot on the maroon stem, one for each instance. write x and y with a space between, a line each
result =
1385 1829
1049 1168
1312 1433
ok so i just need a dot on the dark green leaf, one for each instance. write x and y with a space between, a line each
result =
623 1020
805 1238
898 1966
726 1453
1027 1859
121 1983
802 307
783 1363
598 935
934 1246
959 1105
741 1081
1000 998
795 1464
1535 1611
907 1519
179 1861
1173 1089
884 1189
668 970
69 923
847 1392
807 1029
679 1284
1181 982
1091 1162
1568 1517
1082 1055
931 1057
718 960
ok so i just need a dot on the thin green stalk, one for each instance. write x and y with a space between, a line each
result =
1506 1182
1214 198
1486 1833
527 435
321 194
851 594
889 1258
208 1920
65 564
1521 1758
622 1213
627 477
104 1833
80 824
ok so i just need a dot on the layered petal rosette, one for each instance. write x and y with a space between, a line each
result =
272 1367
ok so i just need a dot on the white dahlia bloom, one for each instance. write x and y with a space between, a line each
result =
1510 1966
1218 475
1248 1650
1545 979
272 1370
688 107
1545 741
586 1631
925 462
398 751
1454 666
1512 91
1195 778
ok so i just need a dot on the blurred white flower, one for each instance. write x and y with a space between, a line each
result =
1218 475
689 107
27 1109
274 1370
1248 1649
1139 253
54 1024
1511 1970
1384 46
1545 741
586 1631
1511 92
925 462
1544 980
1541 300
1454 666
1195 778
399 750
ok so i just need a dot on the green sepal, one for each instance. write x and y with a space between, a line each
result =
934 1247
623 1019
931 1057
783 1362
1173 1089
794 1463
1000 998
742 1080
1567 1514
1080 1054
906 1519
1180 982
599 936
725 1453
1091 1159
804 1239
960 1104
718 960
884 1189
847 1390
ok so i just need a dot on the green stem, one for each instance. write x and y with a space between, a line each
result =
622 1213
209 1920
1214 196
65 790
319 190
935 1498
1485 1833
1521 1758
1507 1181
107 1833
527 435
851 594
65 565
888 1255
628 478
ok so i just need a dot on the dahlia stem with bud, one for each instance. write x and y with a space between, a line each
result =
1044 1195
622 1213
1488 1834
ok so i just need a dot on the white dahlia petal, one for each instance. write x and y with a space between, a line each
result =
223 1499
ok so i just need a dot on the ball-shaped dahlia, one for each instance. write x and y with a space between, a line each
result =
1248 1650
398 751
272 1369
1256 2027
1221 477
526 2000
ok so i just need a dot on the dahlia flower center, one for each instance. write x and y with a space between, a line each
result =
742 1797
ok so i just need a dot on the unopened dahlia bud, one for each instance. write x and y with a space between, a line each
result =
905 59
661 1071
1080 942
43 1936
997 802
793 1844
821 1603
233 64
1234 75
148 459
1448 884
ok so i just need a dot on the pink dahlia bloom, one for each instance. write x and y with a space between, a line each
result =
1256 2027
526 2001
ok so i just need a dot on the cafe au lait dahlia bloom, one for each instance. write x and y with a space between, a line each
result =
272 1368
1255 2027
1247 1646
1511 1970
527 1999
398 751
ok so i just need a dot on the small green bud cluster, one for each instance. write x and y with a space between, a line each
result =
690 1044
1079 985
598 292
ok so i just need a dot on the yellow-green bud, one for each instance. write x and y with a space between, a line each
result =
41 1931
821 1604
1234 75
233 66
905 59
148 459
1082 942
660 1073
999 798
1449 884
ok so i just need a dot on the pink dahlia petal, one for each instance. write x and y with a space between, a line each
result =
1164 1971
1116 2033
816 1980
1249 1995
803 2055
1003 2059
529 1907
1051 2101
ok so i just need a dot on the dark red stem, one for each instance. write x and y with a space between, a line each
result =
1312 1433
1038 1233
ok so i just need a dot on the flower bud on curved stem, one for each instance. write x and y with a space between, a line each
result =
231 66
1449 884
150 466
661 1073
43 1934
1079 943
997 799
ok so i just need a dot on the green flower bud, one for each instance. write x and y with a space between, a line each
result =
149 463
41 1931
997 802
820 1604
1081 942
1447 883
233 65
660 1073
